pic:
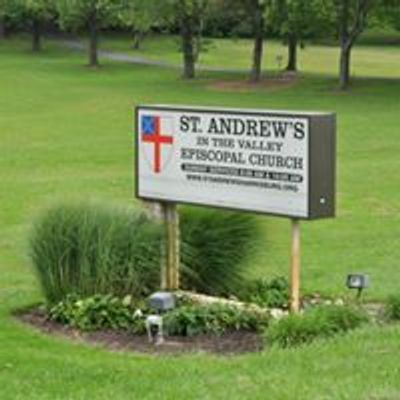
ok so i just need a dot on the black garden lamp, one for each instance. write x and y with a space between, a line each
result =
358 282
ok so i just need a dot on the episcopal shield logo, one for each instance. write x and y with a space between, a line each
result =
156 135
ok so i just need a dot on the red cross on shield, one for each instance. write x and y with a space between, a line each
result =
157 141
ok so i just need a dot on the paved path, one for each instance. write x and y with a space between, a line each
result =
123 57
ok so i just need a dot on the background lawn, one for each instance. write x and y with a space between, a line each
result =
66 132
372 58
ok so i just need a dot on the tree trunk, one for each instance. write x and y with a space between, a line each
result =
345 47
137 40
2 29
93 41
188 48
344 73
36 36
348 34
292 53
255 73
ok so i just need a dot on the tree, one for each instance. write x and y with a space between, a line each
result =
293 20
190 16
91 15
38 12
243 18
298 20
3 13
352 19
257 9
140 17
185 16
34 13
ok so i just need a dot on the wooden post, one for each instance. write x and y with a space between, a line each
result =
170 267
295 268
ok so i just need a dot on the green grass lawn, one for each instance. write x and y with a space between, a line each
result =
66 132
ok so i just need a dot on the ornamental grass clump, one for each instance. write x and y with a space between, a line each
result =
215 247
85 249
319 322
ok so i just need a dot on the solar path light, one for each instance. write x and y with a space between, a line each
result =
160 302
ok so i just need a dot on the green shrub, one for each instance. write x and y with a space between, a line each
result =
265 293
319 322
392 308
98 312
215 246
86 249
189 320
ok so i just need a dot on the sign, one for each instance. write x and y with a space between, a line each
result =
274 162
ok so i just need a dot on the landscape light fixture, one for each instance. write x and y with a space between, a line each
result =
357 281
160 302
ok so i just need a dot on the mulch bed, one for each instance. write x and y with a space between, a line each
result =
227 344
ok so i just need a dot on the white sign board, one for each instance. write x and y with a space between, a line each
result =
240 159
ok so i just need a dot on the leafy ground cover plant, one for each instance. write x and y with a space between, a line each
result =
98 312
319 322
272 293
109 312
191 319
